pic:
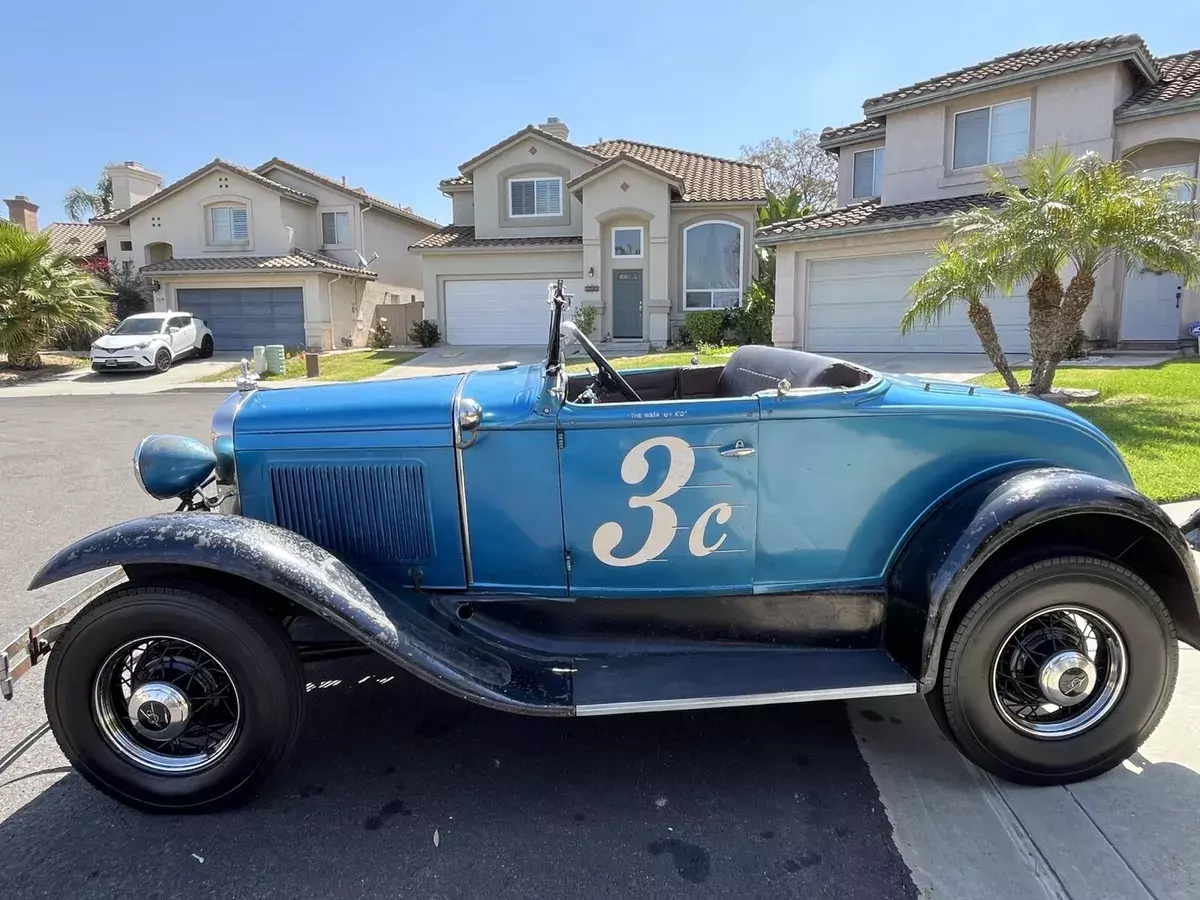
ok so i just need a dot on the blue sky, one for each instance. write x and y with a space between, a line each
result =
395 95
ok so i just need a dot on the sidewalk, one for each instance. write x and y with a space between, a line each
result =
85 381
1128 835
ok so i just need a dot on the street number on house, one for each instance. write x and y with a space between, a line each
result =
663 520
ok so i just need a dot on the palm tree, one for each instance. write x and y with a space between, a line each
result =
961 274
41 294
781 207
1065 212
78 201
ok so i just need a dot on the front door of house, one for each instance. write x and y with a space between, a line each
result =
1150 311
627 303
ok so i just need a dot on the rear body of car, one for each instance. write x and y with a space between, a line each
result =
151 342
784 528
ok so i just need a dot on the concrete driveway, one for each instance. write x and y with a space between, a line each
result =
85 381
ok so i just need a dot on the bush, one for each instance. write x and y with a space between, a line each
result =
425 333
706 326
1078 346
751 322
380 336
585 318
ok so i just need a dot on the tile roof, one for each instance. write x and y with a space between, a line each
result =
868 129
612 161
121 216
1179 81
402 211
527 131
1010 64
297 259
705 178
455 181
869 212
457 237
79 239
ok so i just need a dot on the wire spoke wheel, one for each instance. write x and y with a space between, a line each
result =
167 705
1059 672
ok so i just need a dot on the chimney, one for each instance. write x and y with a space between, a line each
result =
132 183
555 127
22 213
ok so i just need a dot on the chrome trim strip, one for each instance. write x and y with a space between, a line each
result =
464 525
638 706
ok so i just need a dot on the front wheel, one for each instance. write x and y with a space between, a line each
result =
1058 672
162 360
175 697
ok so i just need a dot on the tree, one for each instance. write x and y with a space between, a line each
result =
41 294
752 321
961 273
797 165
1077 213
79 201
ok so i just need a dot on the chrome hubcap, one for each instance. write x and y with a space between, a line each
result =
166 705
159 711
1059 672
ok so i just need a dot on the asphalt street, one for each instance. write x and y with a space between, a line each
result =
398 790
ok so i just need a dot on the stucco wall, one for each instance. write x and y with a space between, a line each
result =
490 178
113 235
463 207
1073 109
439 268
1138 132
180 220
390 237
845 185
303 220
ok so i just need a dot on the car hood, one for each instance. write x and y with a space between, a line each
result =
123 341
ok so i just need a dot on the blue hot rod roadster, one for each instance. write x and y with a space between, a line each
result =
785 527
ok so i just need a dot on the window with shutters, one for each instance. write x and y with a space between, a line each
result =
335 228
228 225
533 197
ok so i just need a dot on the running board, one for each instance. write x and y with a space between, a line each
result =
733 678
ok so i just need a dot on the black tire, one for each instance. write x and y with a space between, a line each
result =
206 347
162 360
968 709
252 648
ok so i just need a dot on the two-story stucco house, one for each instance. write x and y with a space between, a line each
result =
647 233
920 155
278 254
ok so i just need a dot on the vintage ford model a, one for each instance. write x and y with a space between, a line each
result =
782 528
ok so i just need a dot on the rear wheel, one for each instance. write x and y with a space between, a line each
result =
175 697
206 347
1058 672
162 359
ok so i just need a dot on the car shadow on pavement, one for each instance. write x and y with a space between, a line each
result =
398 789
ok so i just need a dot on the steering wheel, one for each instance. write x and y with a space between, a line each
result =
605 373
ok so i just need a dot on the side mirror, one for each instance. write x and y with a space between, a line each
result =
173 329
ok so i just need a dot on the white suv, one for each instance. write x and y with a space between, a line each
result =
152 341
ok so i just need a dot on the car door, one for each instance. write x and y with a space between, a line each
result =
659 497
184 339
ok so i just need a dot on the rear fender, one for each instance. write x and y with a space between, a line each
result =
293 567
958 538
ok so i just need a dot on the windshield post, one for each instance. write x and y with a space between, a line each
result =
559 300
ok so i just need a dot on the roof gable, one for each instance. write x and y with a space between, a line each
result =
357 193
705 179
625 159
1017 66
1178 85
529 131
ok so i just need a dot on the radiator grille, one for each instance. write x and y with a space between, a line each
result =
377 512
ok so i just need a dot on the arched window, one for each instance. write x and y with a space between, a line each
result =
712 265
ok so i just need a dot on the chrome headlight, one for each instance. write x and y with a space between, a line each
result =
170 465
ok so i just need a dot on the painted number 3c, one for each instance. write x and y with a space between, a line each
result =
663 521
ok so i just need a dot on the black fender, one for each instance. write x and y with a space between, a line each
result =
954 541
297 569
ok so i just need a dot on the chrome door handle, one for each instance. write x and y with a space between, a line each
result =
738 450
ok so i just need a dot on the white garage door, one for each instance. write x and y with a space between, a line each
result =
501 312
856 304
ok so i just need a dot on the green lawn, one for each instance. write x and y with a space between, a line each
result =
1152 414
334 367
675 358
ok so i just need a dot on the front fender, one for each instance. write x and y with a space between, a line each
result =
955 540
293 567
